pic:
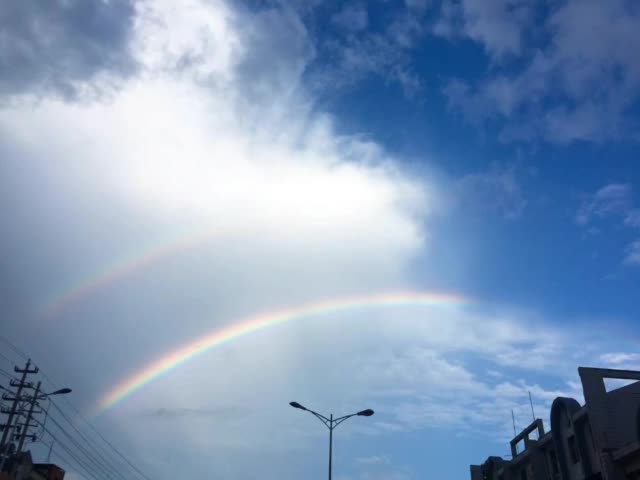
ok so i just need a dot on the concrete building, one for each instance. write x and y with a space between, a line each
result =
46 471
21 467
599 440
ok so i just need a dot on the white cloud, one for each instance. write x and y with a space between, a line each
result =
498 97
449 21
612 199
633 253
189 146
632 218
382 52
417 4
217 136
497 25
352 17
388 475
434 362
497 190
373 460
378 467
577 85
616 358
582 123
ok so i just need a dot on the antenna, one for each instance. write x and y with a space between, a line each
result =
513 418
533 415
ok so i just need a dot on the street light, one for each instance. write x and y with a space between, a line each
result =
34 400
61 391
332 423
41 396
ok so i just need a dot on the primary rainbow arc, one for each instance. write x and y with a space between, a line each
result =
261 321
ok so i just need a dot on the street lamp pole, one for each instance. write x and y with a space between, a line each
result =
332 423
330 443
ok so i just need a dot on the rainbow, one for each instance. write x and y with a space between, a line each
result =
262 321
121 268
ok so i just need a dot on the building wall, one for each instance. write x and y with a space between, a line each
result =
598 441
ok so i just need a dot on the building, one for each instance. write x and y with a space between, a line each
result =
46 471
21 467
599 440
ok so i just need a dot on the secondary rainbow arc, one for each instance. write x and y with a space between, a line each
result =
123 267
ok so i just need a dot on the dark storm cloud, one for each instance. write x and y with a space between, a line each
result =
55 45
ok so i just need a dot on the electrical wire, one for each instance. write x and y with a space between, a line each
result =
109 469
13 347
7 374
78 454
114 448
88 463
77 412
63 458
92 473
84 437
94 429
40 435
7 358
108 463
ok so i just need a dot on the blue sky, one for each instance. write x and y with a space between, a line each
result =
173 167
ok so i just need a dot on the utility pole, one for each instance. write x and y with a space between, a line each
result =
5 442
25 431
7 427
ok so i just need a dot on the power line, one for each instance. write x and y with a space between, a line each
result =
84 437
64 459
94 429
77 412
115 449
97 432
7 358
66 448
14 348
82 459
88 463
109 469
7 374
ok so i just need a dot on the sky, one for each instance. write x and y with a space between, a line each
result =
430 208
